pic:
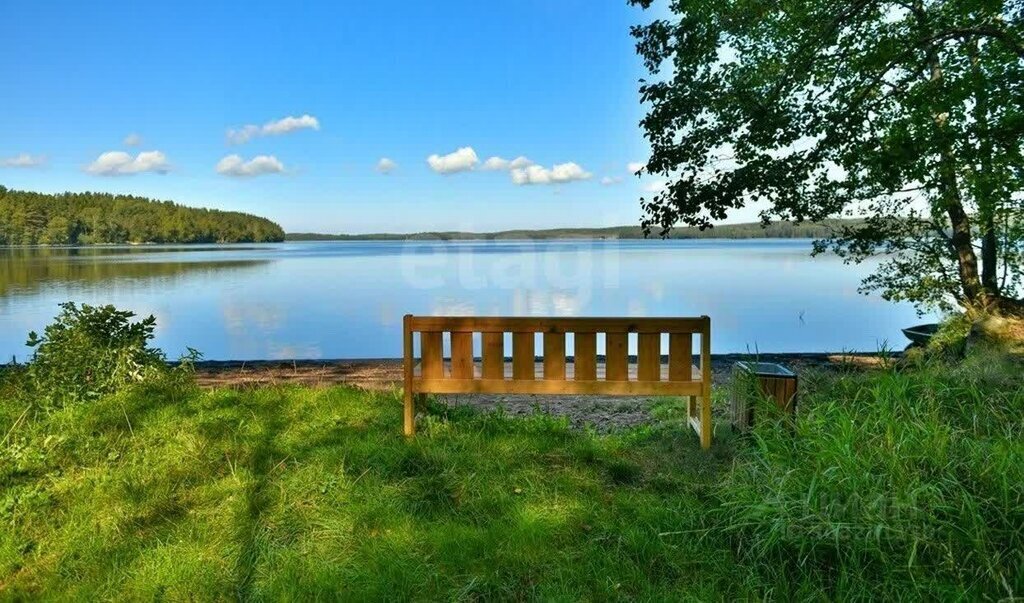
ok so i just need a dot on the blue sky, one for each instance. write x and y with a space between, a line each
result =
554 81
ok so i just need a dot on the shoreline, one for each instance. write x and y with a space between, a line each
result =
386 373
600 412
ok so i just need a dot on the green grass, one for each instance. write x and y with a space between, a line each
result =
290 493
902 483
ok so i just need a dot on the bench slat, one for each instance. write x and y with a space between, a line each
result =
493 348
523 356
648 357
530 386
584 356
462 355
496 324
680 356
616 348
432 365
570 372
554 356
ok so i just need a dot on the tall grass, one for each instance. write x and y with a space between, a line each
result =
908 482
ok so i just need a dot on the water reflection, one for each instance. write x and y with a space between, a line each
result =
26 270
346 299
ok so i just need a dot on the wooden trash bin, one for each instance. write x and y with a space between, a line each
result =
764 380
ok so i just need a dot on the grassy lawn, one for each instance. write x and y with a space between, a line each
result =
909 481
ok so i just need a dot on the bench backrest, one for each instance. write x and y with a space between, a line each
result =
462 374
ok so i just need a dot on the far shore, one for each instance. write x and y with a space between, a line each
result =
746 230
733 232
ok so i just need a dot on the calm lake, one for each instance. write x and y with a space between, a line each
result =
346 299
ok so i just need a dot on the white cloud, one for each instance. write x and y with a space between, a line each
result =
132 140
636 166
119 163
610 180
461 160
243 134
290 124
561 173
500 164
233 165
496 163
273 128
23 160
386 166
656 186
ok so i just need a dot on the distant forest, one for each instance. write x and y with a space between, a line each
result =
28 218
753 230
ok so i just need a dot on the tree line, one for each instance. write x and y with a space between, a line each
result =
28 218
752 230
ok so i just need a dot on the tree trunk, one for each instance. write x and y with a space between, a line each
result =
949 192
985 191
967 261
989 259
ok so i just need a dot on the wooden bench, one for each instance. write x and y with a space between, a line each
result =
462 374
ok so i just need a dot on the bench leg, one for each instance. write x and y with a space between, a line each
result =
699 418
705 419
410 413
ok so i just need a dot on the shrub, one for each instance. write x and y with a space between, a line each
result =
90 351
951 338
